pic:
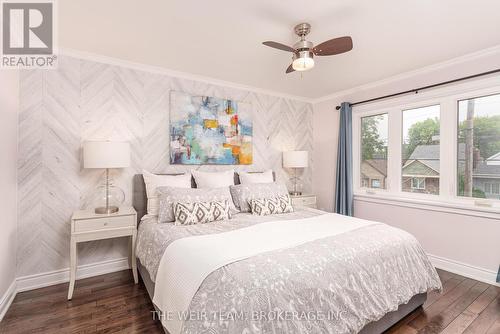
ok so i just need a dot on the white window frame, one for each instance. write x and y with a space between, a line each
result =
358 180
401 143
420 183
495 189
447 97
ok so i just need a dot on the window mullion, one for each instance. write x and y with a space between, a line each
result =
394 148
448 150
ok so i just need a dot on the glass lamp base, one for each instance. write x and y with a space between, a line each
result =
106 210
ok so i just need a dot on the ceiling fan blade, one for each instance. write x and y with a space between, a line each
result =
289 69
333 46
279 46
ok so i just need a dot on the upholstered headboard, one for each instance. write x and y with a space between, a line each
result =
139 198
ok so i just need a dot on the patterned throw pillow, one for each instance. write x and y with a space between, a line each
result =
169 196
201 212
271 205
243 193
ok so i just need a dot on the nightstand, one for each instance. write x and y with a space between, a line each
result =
89 226
304 201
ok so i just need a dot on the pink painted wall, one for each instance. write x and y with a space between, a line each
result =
9 111
325 134
470 240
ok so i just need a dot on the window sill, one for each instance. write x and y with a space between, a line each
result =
467 208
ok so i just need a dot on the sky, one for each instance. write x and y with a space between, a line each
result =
484 106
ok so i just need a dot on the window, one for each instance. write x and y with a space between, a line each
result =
374 134
418 183
479 147
364 182
420 150
439 148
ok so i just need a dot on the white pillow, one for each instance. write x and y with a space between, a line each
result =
153 181
264 177
213 179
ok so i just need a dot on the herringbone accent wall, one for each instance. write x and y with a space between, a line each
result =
85 100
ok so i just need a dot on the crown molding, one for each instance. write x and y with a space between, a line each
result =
492 51
178 74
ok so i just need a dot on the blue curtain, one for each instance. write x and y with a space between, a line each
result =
343 191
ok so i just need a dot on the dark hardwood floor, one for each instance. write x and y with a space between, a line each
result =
112 303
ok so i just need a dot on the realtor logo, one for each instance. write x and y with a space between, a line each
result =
28 32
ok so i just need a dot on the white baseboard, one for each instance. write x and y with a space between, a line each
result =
7 299
41 280
463 269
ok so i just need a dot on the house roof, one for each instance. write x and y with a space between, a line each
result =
379 164
431 152
483 168
429 155
426 154
495 159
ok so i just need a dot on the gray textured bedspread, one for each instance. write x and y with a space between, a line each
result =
333 285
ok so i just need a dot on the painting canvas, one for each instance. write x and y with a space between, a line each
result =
209 130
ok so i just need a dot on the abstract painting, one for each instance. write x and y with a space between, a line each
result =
208 130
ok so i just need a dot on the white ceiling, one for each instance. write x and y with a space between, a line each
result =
222 39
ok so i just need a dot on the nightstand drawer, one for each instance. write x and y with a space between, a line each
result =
309 201
85 225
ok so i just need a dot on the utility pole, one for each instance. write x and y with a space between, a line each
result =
469 149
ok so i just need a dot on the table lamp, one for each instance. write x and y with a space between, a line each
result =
107 154
295 160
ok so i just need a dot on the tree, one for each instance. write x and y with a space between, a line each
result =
371 143
422 133
476 193
486 135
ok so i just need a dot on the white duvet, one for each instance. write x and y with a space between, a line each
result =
188 261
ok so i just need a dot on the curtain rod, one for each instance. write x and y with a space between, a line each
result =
416 90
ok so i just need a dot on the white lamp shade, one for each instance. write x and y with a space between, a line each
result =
106 154
295 159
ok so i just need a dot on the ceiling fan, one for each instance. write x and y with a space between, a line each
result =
304 51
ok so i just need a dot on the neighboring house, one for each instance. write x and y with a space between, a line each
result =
374 173
486 176
421 171
494 160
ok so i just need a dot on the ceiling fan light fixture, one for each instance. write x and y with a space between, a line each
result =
304 51
303 62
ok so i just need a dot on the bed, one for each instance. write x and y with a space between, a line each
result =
363 280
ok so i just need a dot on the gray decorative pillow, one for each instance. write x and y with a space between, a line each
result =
271 205
170 195
201 212
243 193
